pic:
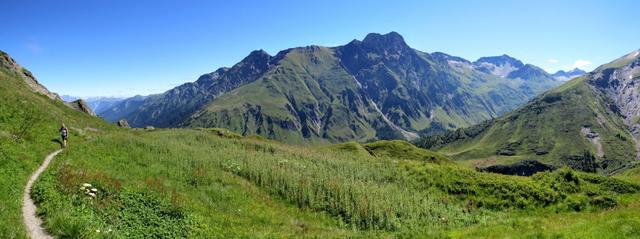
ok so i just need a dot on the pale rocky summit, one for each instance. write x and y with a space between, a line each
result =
568 75
10 64
82 106
123 123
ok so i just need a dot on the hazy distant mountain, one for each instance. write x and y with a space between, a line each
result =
97 104
122 107
590 123
568 75
371 89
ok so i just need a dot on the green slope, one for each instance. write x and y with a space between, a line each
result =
307 97
578 124
29 124
196 183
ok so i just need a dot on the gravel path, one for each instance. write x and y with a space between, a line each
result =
31 221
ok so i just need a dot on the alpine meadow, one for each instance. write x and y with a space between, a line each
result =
207 119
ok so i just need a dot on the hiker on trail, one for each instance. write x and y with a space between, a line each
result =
64 133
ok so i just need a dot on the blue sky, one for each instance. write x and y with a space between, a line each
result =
122 48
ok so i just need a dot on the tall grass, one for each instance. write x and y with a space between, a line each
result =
211 179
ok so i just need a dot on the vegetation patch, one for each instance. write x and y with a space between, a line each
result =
403 150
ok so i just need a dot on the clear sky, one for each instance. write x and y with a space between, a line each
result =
122 48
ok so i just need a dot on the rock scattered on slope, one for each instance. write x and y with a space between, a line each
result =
123 123
81 106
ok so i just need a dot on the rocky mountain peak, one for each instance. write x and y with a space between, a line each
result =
498 65
391 41
81 106
576 71
256 59
568 75
501 61
529 71
258 54
448 58
10 64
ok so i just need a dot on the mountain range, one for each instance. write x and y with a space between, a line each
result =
98 104
376 88
568 75
177 183
591 123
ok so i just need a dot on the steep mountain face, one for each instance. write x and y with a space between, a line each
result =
174 106
9 64
568 75
308 95
377 88
589 123
122 108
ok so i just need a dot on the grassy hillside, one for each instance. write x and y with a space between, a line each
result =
552 128
203 183
29 125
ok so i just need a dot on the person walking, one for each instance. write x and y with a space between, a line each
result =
64 133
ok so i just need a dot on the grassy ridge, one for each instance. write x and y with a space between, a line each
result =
541 130
28 130
225 186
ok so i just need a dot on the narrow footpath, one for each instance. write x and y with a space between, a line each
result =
32 223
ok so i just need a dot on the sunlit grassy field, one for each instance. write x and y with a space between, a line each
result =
204 183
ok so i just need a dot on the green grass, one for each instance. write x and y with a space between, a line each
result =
547 129
616 223
403 150
28 129
220 186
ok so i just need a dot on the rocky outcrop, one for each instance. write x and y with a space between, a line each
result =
8 63
618 82
81 106
594 138
123 123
